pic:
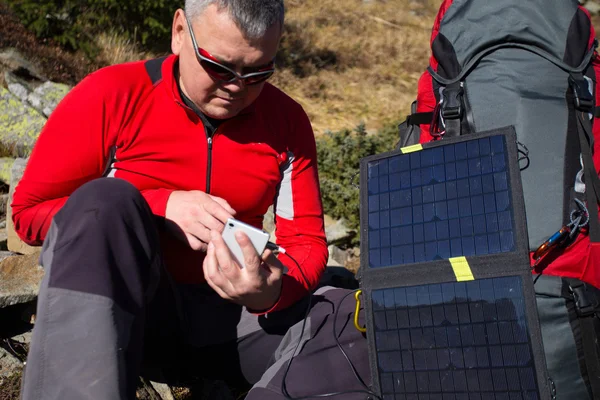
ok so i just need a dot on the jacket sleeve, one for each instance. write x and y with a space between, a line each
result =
72 149
299 225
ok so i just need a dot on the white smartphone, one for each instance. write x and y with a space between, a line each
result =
258 237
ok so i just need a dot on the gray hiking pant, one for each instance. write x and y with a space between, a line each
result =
108 313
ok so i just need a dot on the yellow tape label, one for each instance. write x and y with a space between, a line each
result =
411 149
461 268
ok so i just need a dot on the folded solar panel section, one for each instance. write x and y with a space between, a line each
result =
439 203
445 273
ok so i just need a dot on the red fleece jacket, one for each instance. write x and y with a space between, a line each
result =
266 155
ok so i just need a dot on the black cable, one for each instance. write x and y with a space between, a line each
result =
289 363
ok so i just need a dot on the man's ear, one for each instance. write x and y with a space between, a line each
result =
178 32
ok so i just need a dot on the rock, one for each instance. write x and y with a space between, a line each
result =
593 7
18 91
50 94
6 164
20 278
332 262
20 125
14 242
35 100
14 61
339 255
337 232
9 365
24 338
269 224
163 390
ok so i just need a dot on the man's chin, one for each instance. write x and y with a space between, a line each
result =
224 111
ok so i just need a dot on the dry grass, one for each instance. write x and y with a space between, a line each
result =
351 61
345 61
115 49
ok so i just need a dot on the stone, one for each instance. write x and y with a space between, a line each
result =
14 61
337 232
6 164
18 91
15 243
9 365
20 278
50 94
24 338
269 224
337 255
35 100
20 125
163 390
593 7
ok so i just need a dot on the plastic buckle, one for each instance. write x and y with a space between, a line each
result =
584 101
583 305
452 106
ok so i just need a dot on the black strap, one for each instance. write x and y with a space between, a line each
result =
452 109
590 353
420 118
592 181
597 112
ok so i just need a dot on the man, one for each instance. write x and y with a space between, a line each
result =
138 169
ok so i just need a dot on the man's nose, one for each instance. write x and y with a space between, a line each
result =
235 86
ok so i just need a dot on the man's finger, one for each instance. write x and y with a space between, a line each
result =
199 231
195 244
212 274
224 204
210 222
228 266
217 211
251 259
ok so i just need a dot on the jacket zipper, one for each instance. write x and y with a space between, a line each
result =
209 140
209 143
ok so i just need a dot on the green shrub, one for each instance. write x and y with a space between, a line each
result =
74 23
339 155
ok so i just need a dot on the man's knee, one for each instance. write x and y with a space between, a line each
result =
107 197
104 241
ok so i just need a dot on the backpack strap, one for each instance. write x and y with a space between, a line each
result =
419 118
453 108
584 103
586 305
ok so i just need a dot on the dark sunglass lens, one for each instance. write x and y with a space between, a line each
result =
216 71
252 80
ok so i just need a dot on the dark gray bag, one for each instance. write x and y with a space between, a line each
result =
568 312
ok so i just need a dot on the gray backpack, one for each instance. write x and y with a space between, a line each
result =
531 65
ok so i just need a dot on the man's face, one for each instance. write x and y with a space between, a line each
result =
217 34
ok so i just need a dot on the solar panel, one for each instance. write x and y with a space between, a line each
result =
451 311
461 340
439 203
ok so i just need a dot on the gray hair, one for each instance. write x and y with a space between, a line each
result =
253 17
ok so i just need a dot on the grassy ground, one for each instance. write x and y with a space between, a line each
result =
351 61
345 61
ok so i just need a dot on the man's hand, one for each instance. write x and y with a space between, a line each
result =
257 286
197 214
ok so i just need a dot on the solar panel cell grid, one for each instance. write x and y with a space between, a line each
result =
460 340
440 203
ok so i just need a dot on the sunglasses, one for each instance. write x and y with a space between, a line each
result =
223 74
